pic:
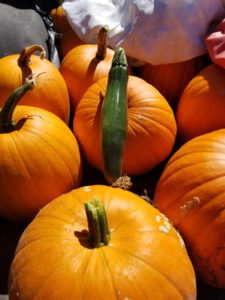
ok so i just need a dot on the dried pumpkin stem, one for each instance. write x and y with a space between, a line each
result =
6 122
102 42
24 58
97 223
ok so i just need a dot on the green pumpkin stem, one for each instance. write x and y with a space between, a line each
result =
6 122
102 42
97 223
24 58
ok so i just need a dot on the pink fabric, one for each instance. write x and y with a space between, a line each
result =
215 43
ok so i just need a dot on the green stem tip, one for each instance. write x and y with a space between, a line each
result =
97 223
6 122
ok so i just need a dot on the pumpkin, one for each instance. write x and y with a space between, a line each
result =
21 25
60 22
190 192
171 79
84 65
121 248
151 125
67 41
51 92
39 157
201 107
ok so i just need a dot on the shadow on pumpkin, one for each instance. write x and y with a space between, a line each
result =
84 238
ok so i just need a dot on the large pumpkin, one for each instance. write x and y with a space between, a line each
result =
151 126
201 107
171 79
39 158
191 194
137 256
51 92
84 65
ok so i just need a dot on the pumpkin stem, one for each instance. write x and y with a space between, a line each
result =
26 53
6 122
102 42
97 223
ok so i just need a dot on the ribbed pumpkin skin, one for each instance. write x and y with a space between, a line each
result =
201 107
197 169
39 161
80 69
140 262
51 92
171 79
151 126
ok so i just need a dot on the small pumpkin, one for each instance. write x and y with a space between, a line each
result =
84 65
51 92
190 192
201 107
171 79
121 248
151 129
60 22
39 157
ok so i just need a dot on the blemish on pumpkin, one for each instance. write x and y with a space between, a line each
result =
163 229
165 218
139 117
87 189
222 92
167 224
189 206
180 239
158 218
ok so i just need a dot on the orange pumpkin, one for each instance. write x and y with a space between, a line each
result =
39 158
67 41
59 19
201 107
151 126
190 193
171 79
140 256
51 92
84 65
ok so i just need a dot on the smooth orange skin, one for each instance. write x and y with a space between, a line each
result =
201 107
197 169
151 126
67 41
54 259
171 79
51 91
39 161
59 19
80 69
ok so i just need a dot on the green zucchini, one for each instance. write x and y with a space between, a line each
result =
114 118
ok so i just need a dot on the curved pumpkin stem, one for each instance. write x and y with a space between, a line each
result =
102 42
97 223
6 122
26 53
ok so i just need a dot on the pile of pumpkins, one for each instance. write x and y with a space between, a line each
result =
101 241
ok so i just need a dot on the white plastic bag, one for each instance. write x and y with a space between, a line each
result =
153 31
